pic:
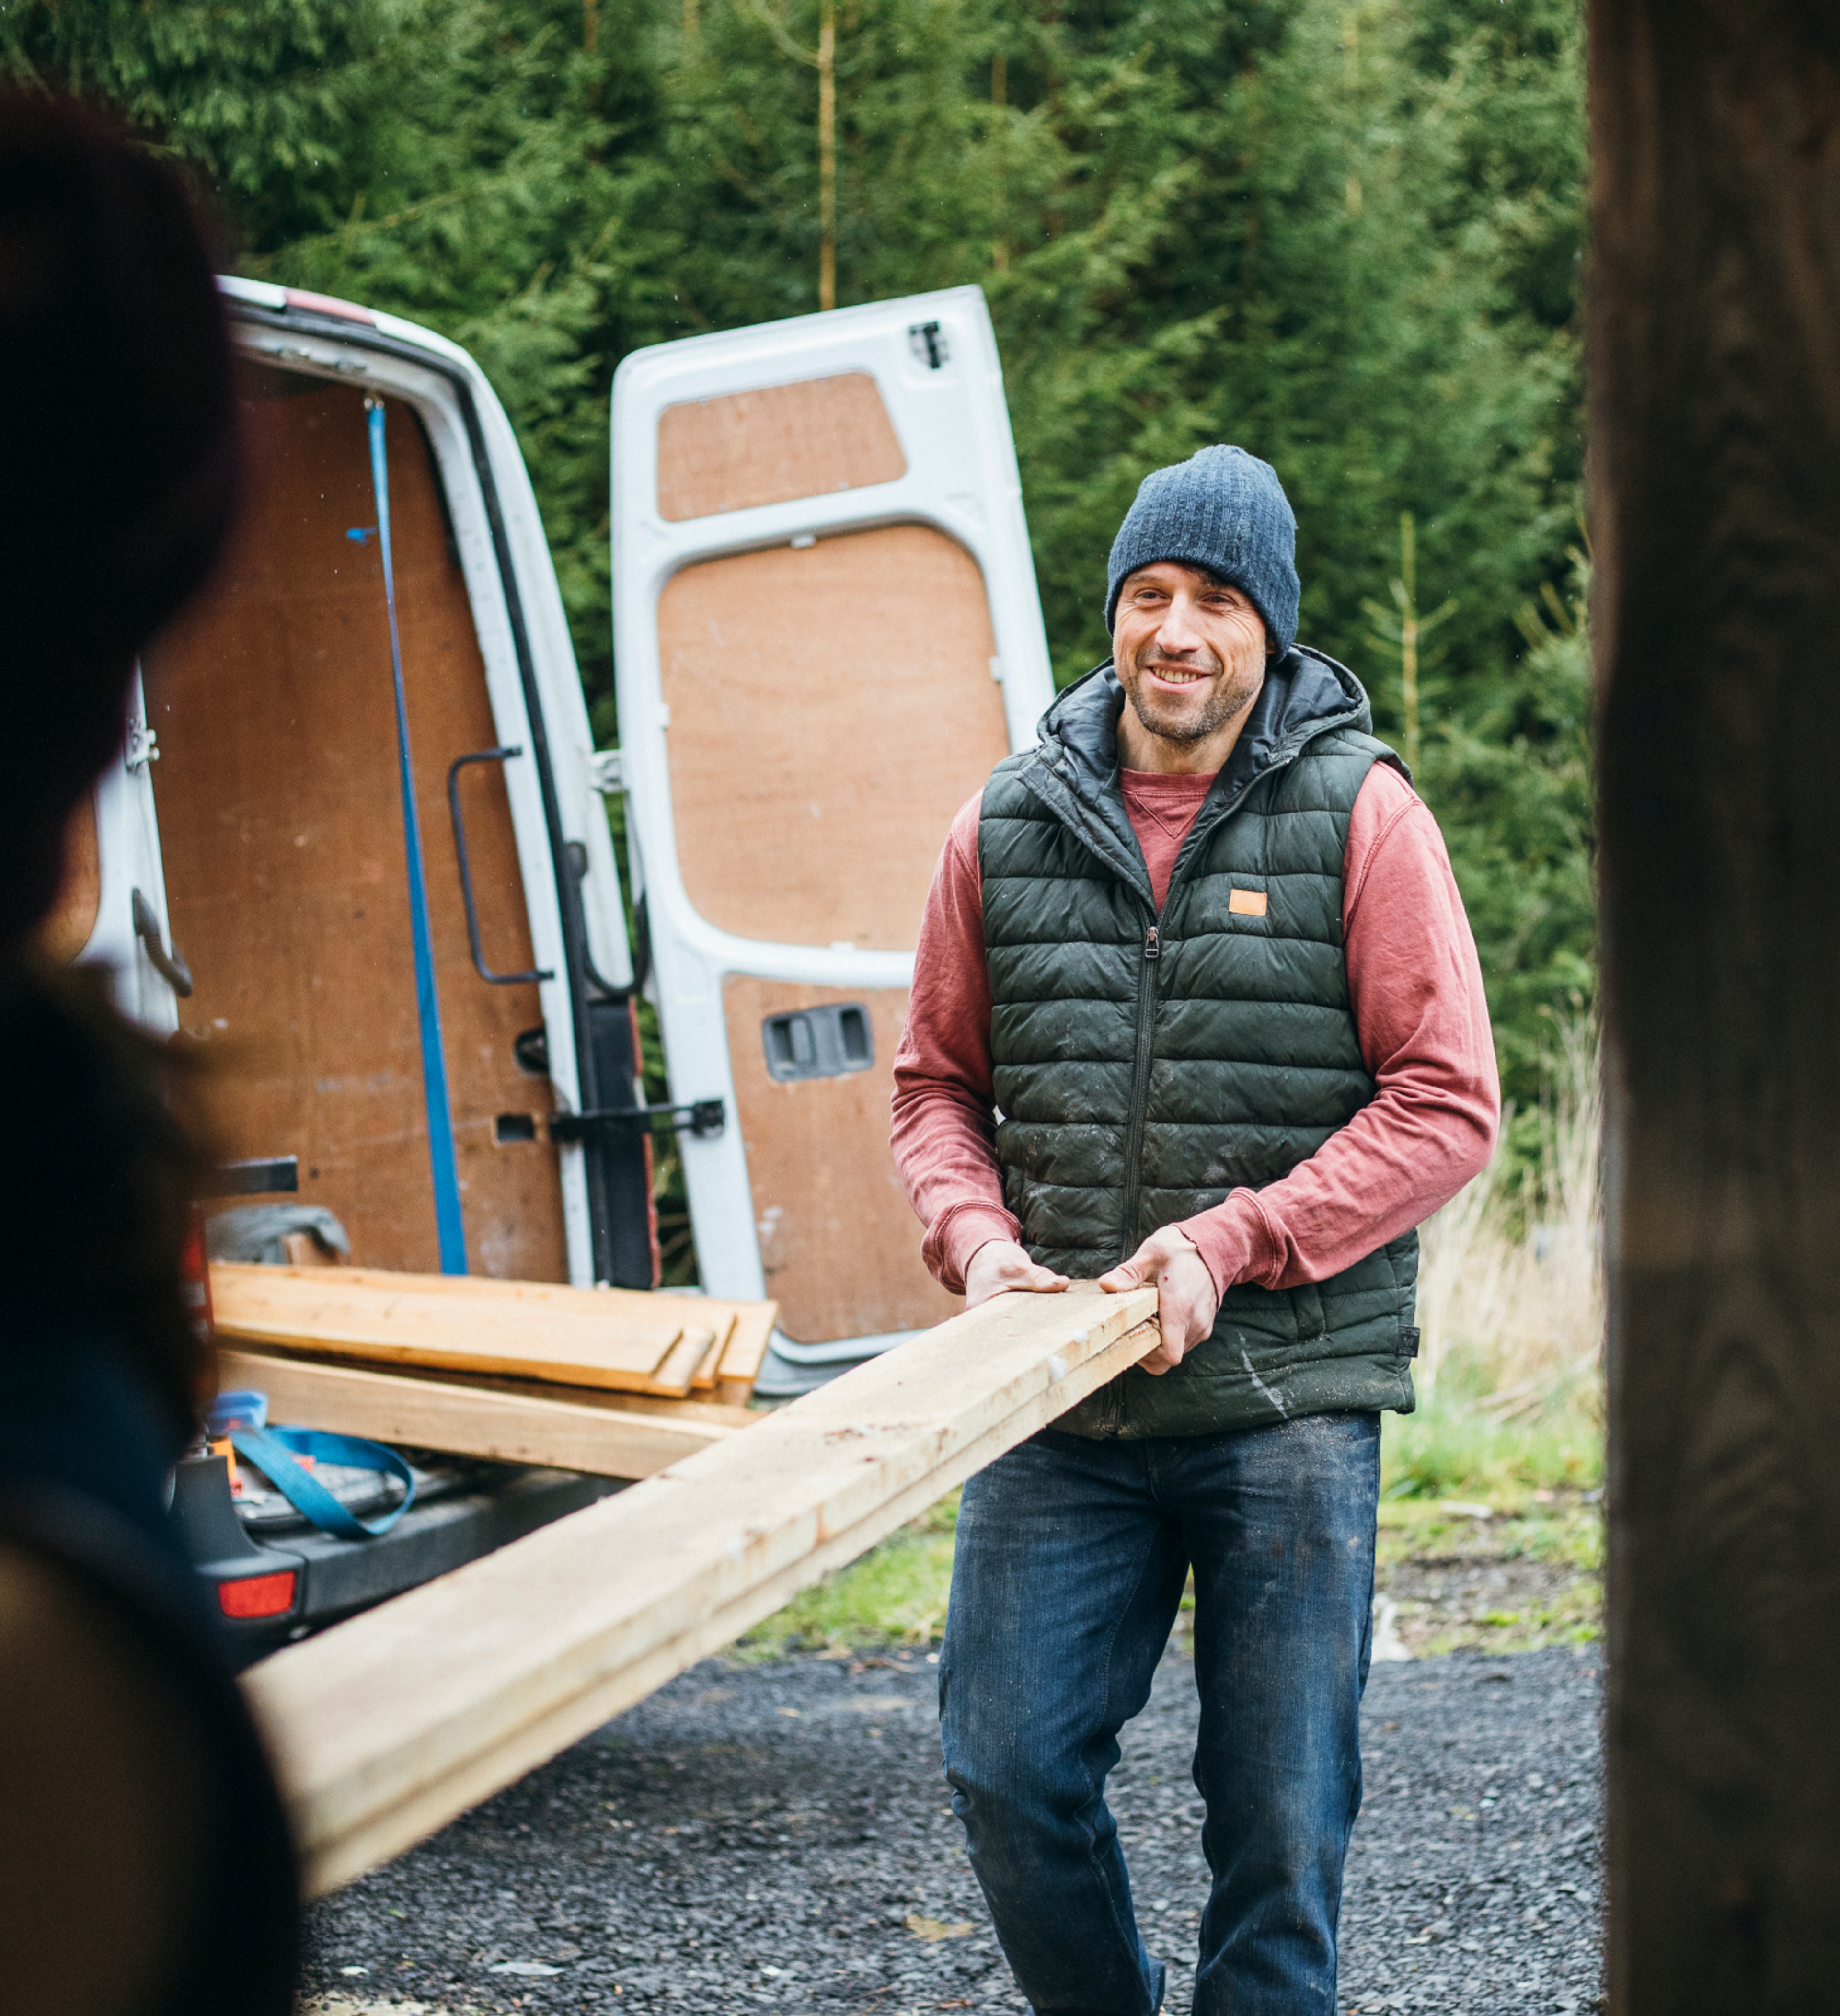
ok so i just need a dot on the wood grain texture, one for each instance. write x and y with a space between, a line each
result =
811 439
831 708
746 1347
403 1320
281 827
745 1329
546 1638
839 1243
1715 343
564 1434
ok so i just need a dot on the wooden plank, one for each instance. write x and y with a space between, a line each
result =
1714 387
811 439
720 1328
747 1325
747 1348
564 1434
679 1369
607 1399
541 1641
576 1342
717 1413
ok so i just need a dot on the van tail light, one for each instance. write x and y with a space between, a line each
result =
258 1595
195 1276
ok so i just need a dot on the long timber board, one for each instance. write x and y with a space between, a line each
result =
523 1652
560 1430
579 1337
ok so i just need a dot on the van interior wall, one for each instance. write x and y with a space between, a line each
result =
281 825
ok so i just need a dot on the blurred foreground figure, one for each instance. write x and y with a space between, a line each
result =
144 1865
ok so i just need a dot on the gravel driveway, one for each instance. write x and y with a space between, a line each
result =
775 1837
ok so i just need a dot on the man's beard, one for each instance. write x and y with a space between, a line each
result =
1231 691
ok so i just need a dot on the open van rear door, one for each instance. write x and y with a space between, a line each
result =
386 859
111 906
826 631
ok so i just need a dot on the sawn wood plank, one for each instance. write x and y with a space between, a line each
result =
572 1336
525 1651
559 1431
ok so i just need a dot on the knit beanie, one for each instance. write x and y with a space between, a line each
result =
1223 509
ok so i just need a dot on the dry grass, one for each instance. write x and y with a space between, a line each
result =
1511 1309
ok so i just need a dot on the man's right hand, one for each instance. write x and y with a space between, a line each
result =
1001 1264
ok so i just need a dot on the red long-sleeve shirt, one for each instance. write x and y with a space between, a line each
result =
1420 1015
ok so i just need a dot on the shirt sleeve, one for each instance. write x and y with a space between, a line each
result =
1422 1020
945 1119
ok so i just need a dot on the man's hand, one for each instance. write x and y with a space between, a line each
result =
1187 1300
1000 1264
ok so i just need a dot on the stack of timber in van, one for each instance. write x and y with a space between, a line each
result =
612 1381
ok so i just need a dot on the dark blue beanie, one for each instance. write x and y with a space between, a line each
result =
1223 509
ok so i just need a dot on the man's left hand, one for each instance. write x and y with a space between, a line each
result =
1187 1300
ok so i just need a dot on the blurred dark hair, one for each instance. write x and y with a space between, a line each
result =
118 478
118 454
97 1173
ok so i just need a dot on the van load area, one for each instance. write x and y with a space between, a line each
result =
282 834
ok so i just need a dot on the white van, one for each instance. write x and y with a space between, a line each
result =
356 846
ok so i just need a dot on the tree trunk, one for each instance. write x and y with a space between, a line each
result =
827 155
1715 353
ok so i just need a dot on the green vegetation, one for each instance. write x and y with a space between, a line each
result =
894 1595
1448 1449
1531 1479
1346 235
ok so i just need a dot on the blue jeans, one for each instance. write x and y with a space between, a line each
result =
1071 1562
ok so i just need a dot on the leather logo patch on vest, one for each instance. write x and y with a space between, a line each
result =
1246 903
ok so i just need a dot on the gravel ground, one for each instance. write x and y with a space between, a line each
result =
775 1837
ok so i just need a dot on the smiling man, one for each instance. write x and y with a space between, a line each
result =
1196 1002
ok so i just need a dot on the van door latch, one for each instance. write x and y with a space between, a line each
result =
705 1118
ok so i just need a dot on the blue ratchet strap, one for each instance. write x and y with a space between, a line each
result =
441 1126
273 1450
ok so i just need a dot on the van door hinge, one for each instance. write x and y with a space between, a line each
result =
607 771
142 747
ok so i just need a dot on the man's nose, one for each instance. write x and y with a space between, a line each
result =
1177 634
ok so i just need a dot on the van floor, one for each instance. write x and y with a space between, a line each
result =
775 1837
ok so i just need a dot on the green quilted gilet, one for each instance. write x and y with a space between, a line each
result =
1147 1066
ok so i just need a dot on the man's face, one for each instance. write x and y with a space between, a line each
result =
1190 650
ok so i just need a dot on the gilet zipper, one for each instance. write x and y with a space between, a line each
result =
1147 1012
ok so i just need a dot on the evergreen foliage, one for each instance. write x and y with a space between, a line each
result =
1346 236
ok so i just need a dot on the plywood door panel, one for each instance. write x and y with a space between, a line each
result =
839 1243
281 827
767 447
831 707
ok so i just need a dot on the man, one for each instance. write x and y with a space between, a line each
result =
1195 1002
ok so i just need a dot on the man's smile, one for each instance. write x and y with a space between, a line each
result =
1177 675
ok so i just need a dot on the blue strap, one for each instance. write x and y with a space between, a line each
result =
273 1451
441 1126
